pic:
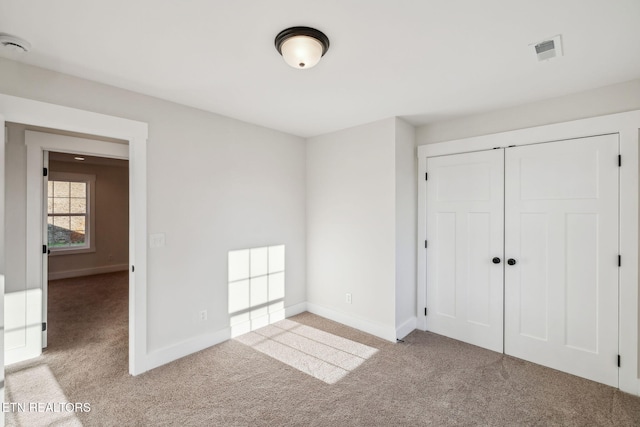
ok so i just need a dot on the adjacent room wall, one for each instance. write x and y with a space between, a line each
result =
111 222
215 184
611 99
351 226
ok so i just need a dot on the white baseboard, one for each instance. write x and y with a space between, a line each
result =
174 352
406 327
88 271
295 309
385 332
169 354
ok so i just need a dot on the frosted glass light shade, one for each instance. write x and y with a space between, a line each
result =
302 51
302 47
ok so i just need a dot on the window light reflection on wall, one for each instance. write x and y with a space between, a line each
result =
256 288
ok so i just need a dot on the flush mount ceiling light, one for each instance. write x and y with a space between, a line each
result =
14 43
302 47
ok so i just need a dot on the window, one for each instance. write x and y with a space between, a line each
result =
70 212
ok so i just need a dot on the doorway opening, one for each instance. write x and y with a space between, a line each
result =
59 119
86 204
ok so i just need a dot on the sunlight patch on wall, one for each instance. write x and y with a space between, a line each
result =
320 354
256 288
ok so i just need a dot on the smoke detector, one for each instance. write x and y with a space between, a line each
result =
14 43
549 48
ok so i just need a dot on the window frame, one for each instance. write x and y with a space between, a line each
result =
90 222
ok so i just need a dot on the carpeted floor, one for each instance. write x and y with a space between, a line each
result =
305 371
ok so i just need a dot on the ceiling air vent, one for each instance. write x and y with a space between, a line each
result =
548 49
14 43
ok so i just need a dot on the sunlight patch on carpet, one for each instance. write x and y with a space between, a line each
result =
320 354
37 399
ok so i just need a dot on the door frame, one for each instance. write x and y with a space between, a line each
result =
627 126
39 144
41 114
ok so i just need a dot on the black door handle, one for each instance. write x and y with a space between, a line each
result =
496 260
511 261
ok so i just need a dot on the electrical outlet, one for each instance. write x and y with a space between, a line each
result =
348 298
203 315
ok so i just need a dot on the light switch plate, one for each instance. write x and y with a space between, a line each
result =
156 240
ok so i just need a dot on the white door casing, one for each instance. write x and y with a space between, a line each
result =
45 244
36 113
465 233
627 126
561 252
561 229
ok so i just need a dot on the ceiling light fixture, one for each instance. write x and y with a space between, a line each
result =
302 47
14 43
79 158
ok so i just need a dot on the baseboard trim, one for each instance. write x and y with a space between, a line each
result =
88 271
174 352
373 328
171 353
406 327
295 309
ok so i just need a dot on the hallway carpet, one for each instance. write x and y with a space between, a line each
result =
305 371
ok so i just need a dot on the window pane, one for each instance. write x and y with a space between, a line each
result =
61 222
50 188
50 205
60 205
79 189
61 189
78 206
59 233
77 238
78 224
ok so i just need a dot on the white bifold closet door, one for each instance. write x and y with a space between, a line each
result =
561 229
549 214
465 208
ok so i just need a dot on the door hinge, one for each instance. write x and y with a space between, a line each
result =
425 244
44 326
45 172
619 160
133 268
426 176
425 311
619 361
44 249
619 261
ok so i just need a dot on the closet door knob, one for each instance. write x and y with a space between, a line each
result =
496 260
511 261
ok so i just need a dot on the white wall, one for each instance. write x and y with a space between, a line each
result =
16 202
111 234
214 184
406 231
361 227
597 102
351 226
2 261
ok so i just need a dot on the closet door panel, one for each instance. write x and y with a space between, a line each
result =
465 196
561 230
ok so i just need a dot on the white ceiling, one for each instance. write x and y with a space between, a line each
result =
425 60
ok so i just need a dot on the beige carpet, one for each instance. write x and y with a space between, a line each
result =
305 371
